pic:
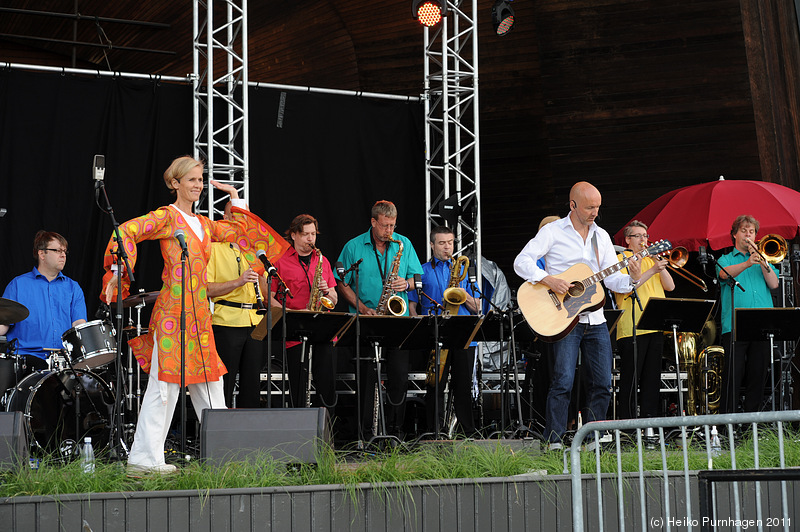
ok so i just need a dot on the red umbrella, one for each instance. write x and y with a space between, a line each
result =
701 215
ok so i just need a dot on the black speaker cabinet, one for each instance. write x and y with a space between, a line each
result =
13 440
290 435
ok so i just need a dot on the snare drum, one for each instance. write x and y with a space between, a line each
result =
50 400
90 345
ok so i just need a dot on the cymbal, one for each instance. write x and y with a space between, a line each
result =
11 311
141 297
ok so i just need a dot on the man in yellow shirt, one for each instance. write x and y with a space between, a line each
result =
232 288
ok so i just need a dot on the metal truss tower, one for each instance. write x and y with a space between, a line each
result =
219 85
452 161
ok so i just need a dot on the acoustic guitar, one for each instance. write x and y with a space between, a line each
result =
553 316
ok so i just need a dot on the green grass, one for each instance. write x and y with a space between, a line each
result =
429 462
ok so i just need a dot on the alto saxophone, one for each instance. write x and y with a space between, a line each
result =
317 300
390 302
454 296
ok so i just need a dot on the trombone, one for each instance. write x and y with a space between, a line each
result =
677 259
772 248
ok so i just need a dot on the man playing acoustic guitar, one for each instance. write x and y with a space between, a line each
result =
575 240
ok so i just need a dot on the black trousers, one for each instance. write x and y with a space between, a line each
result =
459 364
243 356
747 367
323 368
650 348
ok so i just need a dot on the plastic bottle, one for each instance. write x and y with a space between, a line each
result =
716 446
87 456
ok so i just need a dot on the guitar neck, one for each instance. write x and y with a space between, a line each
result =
599 276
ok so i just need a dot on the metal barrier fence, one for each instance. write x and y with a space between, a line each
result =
627 433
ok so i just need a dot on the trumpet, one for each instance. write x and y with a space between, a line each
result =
677 258
772 248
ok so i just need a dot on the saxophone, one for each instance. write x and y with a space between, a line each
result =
317 300
454 296
391 303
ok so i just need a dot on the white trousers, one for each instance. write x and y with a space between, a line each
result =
158 409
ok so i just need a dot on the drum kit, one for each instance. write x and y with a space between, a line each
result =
70 400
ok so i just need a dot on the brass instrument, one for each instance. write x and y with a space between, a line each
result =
317 300
703 371
390 302
454 296
772 248
677 259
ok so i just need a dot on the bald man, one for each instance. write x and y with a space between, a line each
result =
564 243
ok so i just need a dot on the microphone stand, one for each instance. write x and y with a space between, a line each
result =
634 295
732 283
184 260
436 311
117 444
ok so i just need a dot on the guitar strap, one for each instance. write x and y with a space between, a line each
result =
596 252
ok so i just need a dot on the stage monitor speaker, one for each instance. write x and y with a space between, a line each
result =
290 435
13 440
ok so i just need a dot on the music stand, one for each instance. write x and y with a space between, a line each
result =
676 315
443 332
612 316
756 324
380 332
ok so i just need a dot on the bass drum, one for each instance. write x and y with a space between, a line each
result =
51 400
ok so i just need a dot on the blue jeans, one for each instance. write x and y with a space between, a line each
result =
595 343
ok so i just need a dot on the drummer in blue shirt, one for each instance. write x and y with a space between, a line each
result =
55 302
436 276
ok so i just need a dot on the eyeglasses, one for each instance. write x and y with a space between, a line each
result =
387 226
644 236
59 251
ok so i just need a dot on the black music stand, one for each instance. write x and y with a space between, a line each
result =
443 332
380 332
756 324
676 315
612 316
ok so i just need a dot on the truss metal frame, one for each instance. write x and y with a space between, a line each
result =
221 108
452 159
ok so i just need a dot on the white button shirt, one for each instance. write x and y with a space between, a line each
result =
561 246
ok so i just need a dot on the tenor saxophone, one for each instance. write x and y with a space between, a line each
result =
454 296
390 302
317 299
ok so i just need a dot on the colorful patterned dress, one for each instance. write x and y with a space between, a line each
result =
202 361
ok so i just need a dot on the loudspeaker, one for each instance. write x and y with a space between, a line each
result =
13 440
290 435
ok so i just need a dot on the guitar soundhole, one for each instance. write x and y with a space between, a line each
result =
576 289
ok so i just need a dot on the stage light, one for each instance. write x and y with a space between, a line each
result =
502 17
428 12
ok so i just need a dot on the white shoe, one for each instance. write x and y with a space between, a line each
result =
136 470
555 446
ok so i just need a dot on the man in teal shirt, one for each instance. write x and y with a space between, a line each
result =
748 363
377 251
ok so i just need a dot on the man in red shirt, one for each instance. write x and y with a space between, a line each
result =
298 268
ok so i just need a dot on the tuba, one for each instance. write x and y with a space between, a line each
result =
454 296
317 300
391 303
703 365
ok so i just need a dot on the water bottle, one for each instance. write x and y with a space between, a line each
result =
87 456
716 446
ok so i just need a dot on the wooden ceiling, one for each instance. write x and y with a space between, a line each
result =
637 96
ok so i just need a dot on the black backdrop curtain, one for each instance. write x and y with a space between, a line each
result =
330 156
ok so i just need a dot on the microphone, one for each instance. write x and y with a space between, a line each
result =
262 256
472 273
702 257
418 286
99 167
181 236
795 252
340 270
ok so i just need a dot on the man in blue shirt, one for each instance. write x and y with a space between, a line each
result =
748 363
436 275
377 252
55 302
